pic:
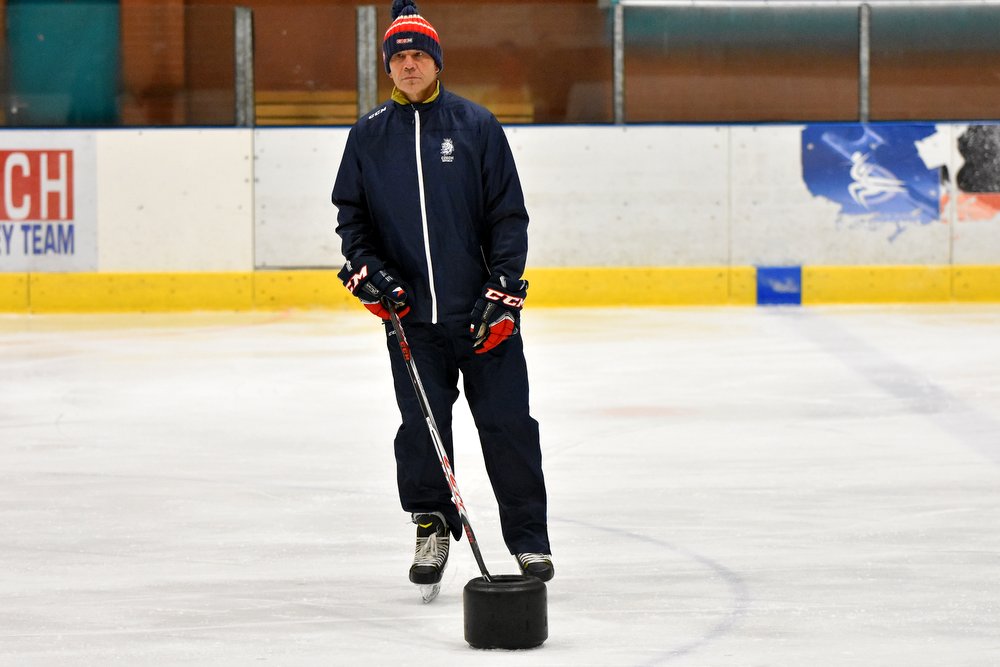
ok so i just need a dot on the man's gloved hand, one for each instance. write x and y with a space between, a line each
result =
374 286
497 312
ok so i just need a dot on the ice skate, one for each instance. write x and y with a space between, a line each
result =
431 554
536 565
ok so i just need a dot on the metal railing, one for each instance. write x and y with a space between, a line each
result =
864 33
367 57
619 61
368 63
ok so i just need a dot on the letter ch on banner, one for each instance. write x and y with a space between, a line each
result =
48 218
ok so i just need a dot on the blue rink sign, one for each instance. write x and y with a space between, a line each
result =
779 285
48 202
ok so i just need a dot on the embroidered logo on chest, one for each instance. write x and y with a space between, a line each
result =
447 150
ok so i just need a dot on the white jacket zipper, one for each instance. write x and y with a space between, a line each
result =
423 220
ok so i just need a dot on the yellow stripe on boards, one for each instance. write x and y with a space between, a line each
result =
165 292
976 283
301 289
640 286
142 292
550 287
14 296
875 284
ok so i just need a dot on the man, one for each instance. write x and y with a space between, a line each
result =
433 225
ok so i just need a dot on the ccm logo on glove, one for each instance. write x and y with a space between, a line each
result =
496 313
506 299
355 280
376 288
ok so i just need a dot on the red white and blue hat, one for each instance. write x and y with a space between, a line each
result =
409 30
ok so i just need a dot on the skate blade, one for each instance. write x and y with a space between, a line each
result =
429 591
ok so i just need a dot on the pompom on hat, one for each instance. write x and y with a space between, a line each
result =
409 30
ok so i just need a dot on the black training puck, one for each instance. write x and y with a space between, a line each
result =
508 612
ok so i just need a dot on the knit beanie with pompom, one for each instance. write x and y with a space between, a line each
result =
409 30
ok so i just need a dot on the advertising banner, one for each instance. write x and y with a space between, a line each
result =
978 179
48 202
875 174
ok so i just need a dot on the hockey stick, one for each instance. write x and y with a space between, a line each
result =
425 407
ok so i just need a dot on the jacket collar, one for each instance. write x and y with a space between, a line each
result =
401 100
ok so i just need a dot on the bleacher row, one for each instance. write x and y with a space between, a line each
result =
340 107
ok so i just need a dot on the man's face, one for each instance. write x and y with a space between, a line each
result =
414 73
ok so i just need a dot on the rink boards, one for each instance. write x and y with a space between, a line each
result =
181 219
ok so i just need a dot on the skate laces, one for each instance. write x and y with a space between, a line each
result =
431 550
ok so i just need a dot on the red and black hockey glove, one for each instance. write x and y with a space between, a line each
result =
497 312
374 286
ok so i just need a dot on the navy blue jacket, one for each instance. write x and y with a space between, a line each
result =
444 223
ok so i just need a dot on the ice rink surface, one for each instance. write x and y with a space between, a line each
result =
727 486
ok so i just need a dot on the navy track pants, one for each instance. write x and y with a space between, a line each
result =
496 387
